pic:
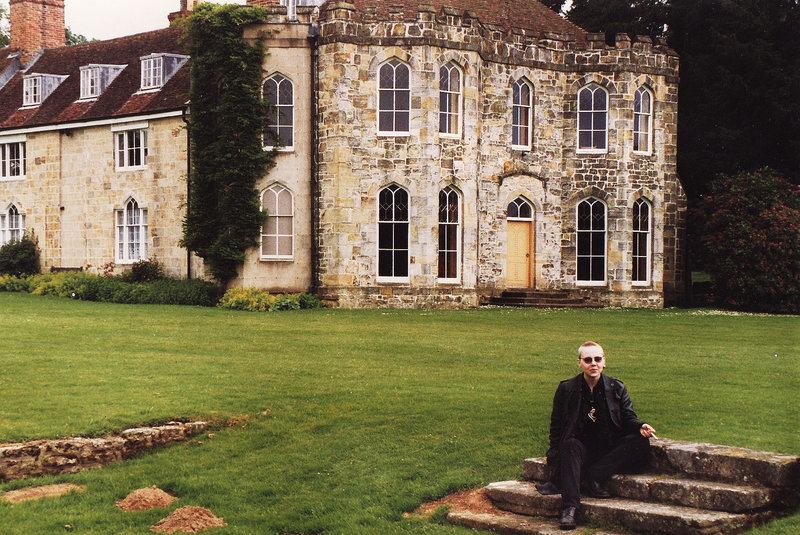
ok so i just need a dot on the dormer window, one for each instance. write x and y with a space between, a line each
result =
37 87
157 69
96 78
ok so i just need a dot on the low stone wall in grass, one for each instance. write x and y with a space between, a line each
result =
68 455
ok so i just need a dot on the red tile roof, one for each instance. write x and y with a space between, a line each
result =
527 14
118 100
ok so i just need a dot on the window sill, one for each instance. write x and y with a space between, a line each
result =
591 152
146 90
641 285
591 284
393 134
642 153
523 148
276 258
393 280
281 149
136 168
449 282
449 136
13 178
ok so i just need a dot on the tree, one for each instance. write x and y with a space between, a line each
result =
751 238
634 17
739 106
226 118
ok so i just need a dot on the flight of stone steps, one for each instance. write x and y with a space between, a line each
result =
690 489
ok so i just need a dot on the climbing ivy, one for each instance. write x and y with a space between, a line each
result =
225 123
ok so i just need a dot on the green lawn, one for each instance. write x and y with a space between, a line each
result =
358 416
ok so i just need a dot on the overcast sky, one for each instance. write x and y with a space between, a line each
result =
105 19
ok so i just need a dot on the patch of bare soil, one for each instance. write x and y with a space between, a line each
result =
142 499
188 519
472 500
46 491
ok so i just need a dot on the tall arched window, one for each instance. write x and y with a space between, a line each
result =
643 121
592 119
394 98
12 225
279 92
393 233
522 115
277 234
131 233
641 241
450 82
449 234
591 255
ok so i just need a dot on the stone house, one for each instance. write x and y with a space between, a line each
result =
432 153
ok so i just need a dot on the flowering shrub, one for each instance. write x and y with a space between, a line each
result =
751 239
144 271
256 300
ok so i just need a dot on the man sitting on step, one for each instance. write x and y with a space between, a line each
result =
594 434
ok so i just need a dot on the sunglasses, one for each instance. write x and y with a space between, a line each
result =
588 360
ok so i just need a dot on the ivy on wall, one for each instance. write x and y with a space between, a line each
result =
225 124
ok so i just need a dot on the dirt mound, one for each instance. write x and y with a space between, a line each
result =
46 491
188 519
142 499
472 500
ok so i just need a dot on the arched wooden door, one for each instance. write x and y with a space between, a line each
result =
519 249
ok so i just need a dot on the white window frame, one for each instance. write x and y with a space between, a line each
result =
593 88
640 115
276 190
453 97
13 168
395 63
152 73
520 109
12 224
451 195
647 234
518 203
123 153
90 82
131 232
32 90
392 222
282 82
589 282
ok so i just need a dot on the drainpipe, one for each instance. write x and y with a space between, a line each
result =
313 35
188 185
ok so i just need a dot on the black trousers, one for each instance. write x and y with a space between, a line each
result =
578 461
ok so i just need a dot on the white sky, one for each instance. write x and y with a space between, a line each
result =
106 19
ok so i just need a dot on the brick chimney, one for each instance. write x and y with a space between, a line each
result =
35 25
189 5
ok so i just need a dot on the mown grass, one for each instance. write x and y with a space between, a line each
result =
358 416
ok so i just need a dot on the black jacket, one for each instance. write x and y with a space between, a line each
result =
567 406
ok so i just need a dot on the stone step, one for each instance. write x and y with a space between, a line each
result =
733 498
710 462
725 463
522 497
513 524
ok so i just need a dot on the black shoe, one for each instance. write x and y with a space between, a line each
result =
568 518
547 489
595 490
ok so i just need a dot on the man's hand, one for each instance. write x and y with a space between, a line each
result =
647 431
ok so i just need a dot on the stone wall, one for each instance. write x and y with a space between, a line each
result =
72 189
68 455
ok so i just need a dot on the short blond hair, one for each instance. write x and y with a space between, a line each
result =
589 343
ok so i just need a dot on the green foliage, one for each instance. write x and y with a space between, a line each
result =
144 271
226 119
90 287
20 257
634 17
751 236
255 300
